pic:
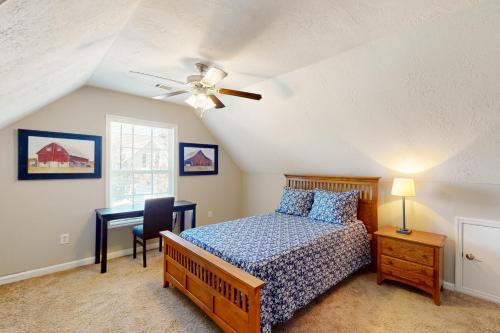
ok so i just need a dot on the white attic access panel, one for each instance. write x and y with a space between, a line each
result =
478 258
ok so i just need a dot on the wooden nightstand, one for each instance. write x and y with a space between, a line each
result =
415 259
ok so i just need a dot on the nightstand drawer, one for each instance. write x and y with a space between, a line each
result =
424 282
408 251
415 259
407 266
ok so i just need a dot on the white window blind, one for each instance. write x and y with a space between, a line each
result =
140 161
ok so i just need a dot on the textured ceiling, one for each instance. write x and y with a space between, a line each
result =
424 102
349 86
49 48
252 40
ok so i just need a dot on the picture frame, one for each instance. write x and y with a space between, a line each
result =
58 155
197 159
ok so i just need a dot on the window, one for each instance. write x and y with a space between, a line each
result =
140 160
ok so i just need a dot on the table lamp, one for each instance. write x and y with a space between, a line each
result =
403 187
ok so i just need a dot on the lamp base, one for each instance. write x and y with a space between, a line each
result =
403 231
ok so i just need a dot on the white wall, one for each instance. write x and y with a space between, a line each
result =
35 213
423 103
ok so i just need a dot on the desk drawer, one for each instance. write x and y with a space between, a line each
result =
413 252
407 266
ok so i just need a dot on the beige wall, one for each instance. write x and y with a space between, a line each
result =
35 213
434 209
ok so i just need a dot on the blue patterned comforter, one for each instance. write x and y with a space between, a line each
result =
297 257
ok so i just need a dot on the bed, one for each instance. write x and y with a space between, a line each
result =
252 273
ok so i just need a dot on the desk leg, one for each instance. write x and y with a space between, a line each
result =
181 225
193 218
98 228
104 259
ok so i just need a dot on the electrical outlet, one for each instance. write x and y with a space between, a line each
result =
210 213
64 239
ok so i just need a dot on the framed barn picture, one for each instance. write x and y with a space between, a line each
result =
56 155
196 159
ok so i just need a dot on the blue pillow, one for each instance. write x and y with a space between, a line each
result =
295 201
335 207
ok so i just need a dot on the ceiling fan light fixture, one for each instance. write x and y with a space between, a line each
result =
213 76
201 88
200 101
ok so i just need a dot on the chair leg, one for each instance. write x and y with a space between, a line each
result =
161 243
144 253
135 246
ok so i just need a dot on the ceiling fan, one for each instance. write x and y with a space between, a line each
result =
201 87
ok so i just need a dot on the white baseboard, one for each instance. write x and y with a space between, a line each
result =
479 294
448 285
68 265
90 260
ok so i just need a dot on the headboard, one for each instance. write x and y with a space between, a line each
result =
368 186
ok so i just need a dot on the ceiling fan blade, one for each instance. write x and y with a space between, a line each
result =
163 86
158 77
174 93
217 102
238 93
213 76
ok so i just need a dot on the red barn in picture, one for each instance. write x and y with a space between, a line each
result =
55 155
198 159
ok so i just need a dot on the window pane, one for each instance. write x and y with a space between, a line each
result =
142 184
126 159
121 183
160 160
116 128
160 138
127 135
121 201
160 183
115 137
139 163
161 195
121 188
142 137
139 199
142 159
115 157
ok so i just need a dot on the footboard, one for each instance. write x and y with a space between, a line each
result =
229 295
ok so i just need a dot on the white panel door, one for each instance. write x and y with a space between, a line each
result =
481 260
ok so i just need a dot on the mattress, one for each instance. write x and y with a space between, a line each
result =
298 258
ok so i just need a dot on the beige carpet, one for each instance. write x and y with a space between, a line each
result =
131 299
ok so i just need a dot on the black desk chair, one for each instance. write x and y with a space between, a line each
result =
157 217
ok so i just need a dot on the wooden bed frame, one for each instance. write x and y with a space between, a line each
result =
231 296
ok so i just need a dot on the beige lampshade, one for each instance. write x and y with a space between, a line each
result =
403 187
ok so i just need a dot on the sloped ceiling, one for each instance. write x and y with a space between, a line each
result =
425 102
49 48
252 40
354 87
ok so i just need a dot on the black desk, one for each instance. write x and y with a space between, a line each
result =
105 215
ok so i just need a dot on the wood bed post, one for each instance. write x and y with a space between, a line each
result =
254 314
227 294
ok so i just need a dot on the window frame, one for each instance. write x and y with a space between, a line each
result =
139 122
